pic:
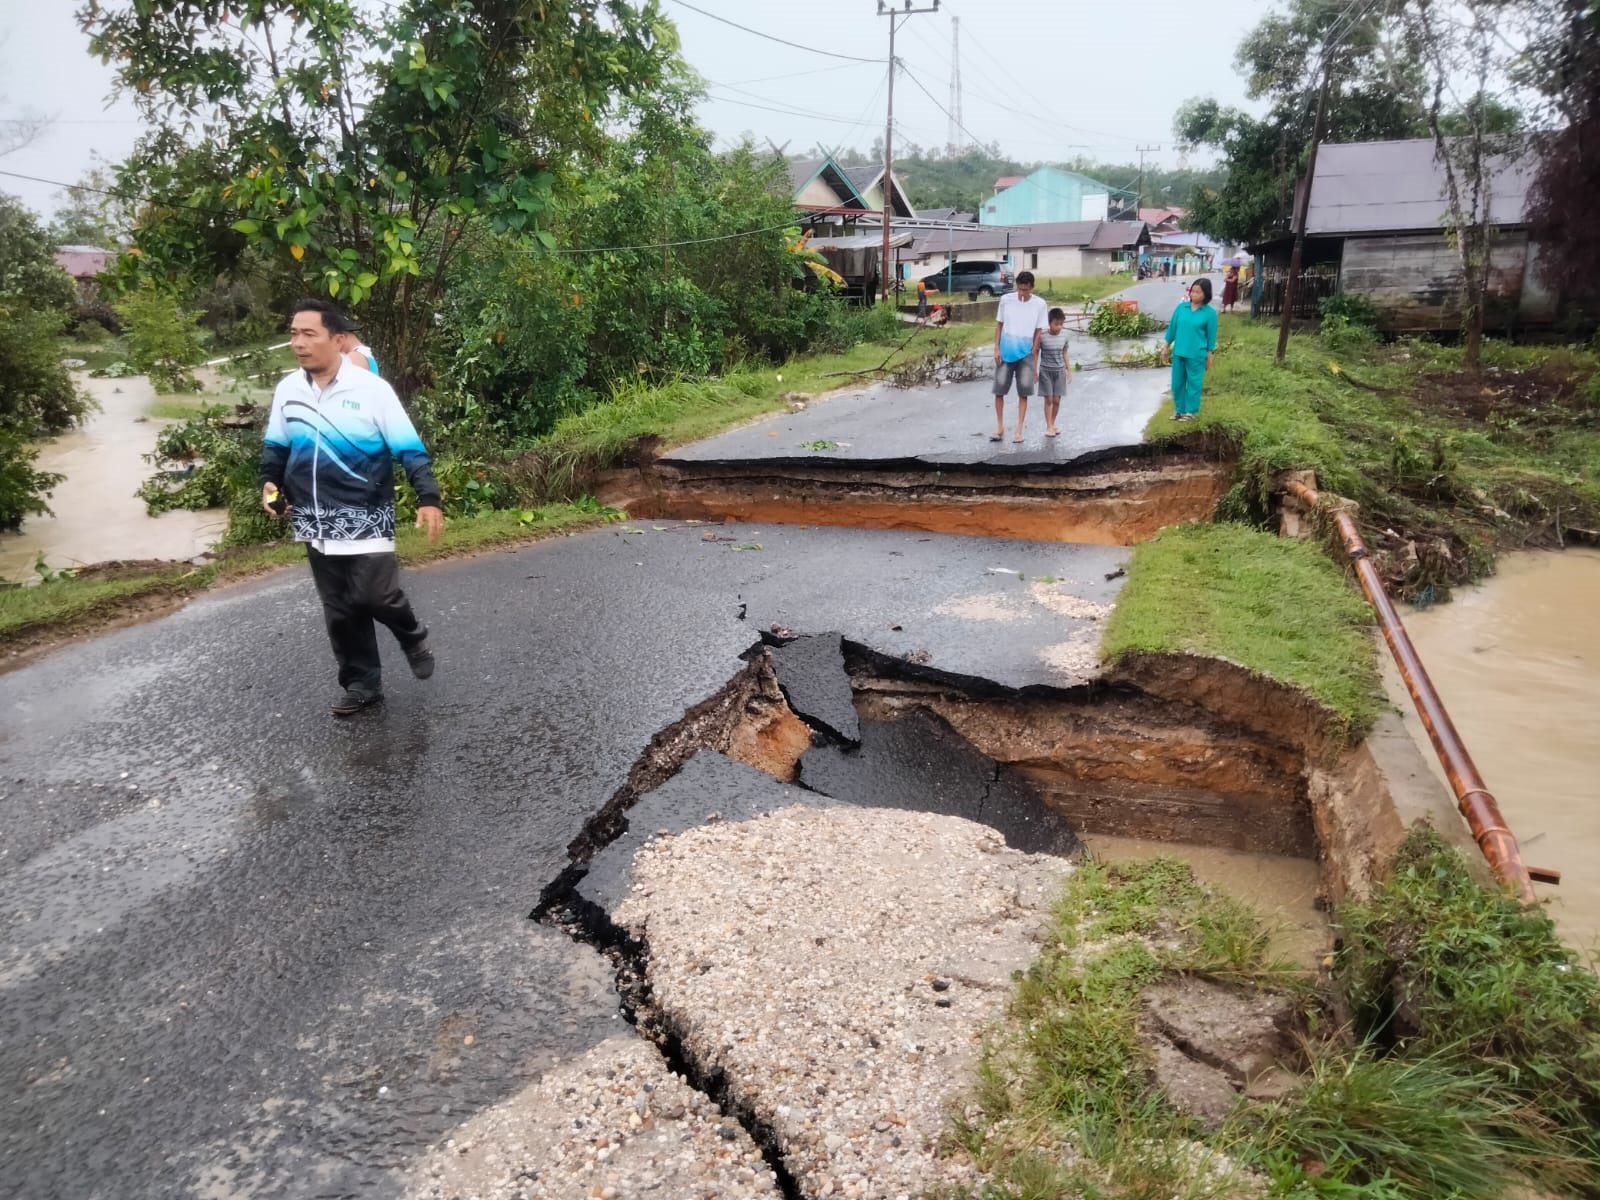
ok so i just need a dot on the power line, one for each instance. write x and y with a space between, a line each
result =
791 112
769 37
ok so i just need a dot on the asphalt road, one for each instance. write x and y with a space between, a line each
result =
951 425
249 950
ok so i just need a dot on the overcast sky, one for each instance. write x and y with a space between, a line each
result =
1046 79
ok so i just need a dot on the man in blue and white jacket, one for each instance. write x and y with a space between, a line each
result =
328 464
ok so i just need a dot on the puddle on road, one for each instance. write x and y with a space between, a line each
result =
1517 662
96 517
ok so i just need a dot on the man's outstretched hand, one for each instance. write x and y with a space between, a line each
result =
431 519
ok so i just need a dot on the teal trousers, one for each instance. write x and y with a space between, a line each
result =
1188 374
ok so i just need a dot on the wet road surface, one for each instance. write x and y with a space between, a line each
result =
252 951
951 425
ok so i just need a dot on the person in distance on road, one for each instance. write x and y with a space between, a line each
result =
1019 321
328 465
1055 369
1191 343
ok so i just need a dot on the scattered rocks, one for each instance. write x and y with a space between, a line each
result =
793 954
614 1124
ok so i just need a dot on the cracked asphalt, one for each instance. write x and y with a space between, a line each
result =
253 951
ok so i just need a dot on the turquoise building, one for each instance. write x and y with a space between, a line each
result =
1052 194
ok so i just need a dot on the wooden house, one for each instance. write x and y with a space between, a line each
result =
1056 248
1376 227
831 200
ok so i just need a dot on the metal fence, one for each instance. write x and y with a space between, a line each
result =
1315 282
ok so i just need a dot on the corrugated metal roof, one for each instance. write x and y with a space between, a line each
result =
82 263
966 238
1371 187
859 241
1117 235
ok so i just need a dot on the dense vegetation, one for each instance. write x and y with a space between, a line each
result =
1467 1072
37 397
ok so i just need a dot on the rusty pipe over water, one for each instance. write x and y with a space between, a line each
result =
1476 802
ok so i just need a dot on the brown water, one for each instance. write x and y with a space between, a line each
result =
95 515
1517 662
1283 891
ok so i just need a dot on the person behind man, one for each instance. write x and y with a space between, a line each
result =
1055 366
328 464
1019 321
1191 341
358 352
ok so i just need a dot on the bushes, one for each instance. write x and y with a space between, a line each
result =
86 319
163 340
1121 319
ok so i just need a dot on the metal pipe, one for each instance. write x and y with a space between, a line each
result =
1473 798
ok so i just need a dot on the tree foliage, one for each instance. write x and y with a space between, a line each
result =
1376 93
362 141
37 397
1564 65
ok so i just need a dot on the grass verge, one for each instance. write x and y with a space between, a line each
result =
1270 604
113 593
1464 1100
1076 289
1448 468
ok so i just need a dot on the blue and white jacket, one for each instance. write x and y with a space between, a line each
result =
331 452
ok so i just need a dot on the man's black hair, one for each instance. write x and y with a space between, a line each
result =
1025 277
1204 285
1056 314
333 318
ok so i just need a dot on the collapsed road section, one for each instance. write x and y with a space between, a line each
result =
823 965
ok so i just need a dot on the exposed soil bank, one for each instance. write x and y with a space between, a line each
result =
1116 498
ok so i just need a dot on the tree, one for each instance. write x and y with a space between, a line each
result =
1564 65
1465 44
91 213
36 393
1376 92
359 141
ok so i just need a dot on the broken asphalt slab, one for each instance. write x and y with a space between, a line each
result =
811 672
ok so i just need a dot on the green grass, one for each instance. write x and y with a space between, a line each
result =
1075 289
1063 1103
1272 605
180 407
95 354
1433 476
68 603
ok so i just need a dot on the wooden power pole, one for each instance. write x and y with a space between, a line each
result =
894 15
1301 207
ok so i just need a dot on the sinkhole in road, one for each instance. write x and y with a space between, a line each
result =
836 723
1111 497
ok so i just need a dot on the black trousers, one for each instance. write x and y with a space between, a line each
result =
357 590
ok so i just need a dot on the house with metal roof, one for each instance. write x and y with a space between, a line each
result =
1376 226
830 198
1051 195
1055 249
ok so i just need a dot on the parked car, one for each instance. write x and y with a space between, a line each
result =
978 277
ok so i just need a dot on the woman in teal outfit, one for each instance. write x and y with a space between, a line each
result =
1191 341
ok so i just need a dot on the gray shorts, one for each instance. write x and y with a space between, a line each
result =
1021 371
1052 381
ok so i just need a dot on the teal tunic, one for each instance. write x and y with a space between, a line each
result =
1192 331
1193 334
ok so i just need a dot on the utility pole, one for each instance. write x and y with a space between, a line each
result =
953 143
1301 206
1138 197
888 128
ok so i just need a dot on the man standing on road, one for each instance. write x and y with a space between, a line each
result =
328 463
1019 321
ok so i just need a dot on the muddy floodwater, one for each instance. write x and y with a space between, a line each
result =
1517 661
1282 890
95 515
